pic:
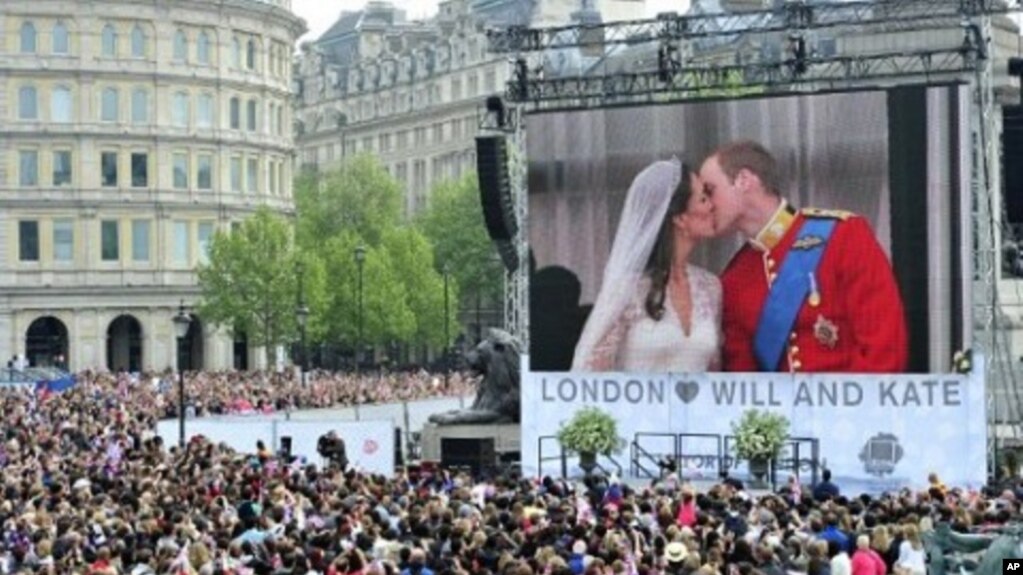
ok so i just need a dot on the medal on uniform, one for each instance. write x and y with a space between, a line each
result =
826 332
814 298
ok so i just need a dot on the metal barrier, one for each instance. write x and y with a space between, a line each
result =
540 459
700 460
637 451
795 463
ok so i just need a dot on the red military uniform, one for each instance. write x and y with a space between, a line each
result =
857 325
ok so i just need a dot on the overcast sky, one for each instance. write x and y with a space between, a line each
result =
321 14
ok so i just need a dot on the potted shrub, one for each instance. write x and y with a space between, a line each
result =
589 432
759 438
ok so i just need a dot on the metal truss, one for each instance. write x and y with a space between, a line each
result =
792 16
709 81
516 285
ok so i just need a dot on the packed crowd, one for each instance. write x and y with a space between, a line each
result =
229 392
88 488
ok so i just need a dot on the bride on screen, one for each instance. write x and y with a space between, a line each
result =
656 312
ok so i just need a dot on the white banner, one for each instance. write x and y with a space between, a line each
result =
875 432
369 445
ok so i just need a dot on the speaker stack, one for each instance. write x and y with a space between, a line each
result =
496 196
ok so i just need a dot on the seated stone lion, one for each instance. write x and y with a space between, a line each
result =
497 397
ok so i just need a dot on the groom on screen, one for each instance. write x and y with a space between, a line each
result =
811 290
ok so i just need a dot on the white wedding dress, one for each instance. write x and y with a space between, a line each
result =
638 343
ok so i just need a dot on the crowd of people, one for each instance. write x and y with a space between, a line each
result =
239 393
89 488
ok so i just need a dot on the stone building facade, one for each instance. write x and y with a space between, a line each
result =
135 131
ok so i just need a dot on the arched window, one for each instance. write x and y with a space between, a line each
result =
109 41
202 48
138 42
60 105
180 46
252 111
236 52
61 45
250 54
140 106
28 38
108 107
28 105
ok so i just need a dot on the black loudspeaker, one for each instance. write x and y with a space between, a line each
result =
510 257
495 187
286 446
477 454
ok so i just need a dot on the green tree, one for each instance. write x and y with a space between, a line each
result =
386 314
453 222
411 252
359 197
249 282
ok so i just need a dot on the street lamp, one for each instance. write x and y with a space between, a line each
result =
181 324
360 257
302 316
447 327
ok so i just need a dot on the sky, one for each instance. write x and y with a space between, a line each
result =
321 14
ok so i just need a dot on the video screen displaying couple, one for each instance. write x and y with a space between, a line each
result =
815 233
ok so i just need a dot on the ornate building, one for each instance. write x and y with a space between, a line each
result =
135 131
410 91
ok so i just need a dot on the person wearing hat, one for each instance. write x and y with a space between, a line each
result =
675 554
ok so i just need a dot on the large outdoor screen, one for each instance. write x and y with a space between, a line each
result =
886 289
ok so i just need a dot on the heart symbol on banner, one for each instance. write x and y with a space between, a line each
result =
687 390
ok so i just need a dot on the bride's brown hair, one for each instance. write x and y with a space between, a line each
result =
658 267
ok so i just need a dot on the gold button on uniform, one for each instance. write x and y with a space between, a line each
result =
796 365
792 336
770 263
772 276
794 349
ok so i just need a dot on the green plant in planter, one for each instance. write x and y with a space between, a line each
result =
760 435
590 431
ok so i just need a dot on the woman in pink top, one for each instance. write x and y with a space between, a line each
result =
687 511
866 561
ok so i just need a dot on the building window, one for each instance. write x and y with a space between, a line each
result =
250 54
180 111
140 241
489 81
204 113
205 234
28 241
61 168
138 42
140 106
63 240
272 177
108 167
108 107
456 89
28 168
139 170
280 119
252 175
236 114
180 46
236 52
180 168
438 133
204 172
181 242
60 39
109 41
110 248
251 115
27 104
60 105
236 174
28 38
202 48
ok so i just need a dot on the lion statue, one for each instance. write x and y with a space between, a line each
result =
497 397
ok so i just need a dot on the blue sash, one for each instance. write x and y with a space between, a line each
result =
789 291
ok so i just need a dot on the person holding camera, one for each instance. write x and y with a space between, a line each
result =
332 448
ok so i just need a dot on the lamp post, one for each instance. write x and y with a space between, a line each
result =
301 316
360 257
447 327
181 324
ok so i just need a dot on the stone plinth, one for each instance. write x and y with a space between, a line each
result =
507 437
